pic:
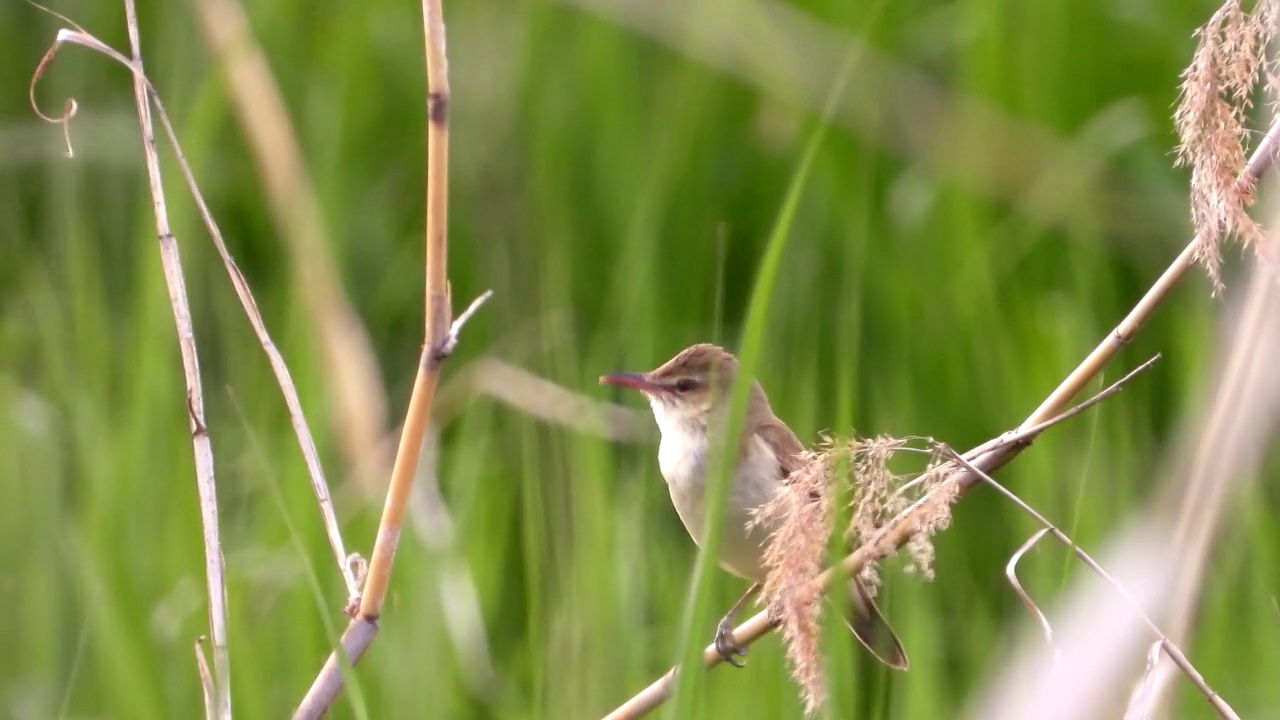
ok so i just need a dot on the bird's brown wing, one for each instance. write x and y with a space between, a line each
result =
785 444
864 618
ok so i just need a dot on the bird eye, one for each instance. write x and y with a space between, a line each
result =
685 384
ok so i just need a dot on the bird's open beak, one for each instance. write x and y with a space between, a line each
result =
635 381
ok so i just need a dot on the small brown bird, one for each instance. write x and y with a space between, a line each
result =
690 399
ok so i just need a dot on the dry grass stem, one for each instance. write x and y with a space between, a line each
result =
441 337
1145 694
1260 163
207 688
432 356
1175 653
439 327
450 342
206 483
1097 639
1011 572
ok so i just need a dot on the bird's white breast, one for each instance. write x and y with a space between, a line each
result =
682 457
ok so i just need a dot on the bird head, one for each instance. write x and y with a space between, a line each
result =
690 386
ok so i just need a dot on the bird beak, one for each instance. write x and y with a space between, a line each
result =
635 381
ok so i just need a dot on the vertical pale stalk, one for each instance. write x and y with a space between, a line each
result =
438 315
206 485
441 335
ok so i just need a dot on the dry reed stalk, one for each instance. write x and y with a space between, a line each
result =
206 484
441 338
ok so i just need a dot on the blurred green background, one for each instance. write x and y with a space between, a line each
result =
995 192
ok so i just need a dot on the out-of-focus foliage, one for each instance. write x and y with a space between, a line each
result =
995 193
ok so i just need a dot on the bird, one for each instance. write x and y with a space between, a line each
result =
690 398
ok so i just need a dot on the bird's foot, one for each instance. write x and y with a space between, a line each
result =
729 648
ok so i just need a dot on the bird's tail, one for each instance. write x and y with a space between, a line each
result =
871 629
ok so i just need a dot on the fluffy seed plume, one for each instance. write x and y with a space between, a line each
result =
879 495
804 517
794 559
1211 120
